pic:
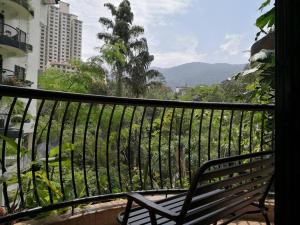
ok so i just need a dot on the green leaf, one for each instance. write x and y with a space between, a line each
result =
49 183
67 147
265 4
267 19
13 144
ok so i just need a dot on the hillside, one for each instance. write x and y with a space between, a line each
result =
197 73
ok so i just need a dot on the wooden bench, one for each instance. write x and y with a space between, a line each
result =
220 190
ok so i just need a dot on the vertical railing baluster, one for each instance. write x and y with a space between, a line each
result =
129 149
200 137
230 133
47 148
60 151
3 160
20 186
169 153
84 150
118 148
251 130
241 133
179 147
139 148
273 133
72 152
209 135
220 134
262 130
150 147
189 144
159 147
107 149
35 191
96 148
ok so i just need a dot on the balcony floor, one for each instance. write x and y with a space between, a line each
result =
248 223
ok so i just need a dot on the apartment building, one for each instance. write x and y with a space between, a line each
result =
62 37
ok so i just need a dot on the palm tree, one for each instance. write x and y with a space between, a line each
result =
120 30
140 78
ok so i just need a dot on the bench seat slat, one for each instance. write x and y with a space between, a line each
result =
223 212
233 180
199 200
237 168
211 207
164 202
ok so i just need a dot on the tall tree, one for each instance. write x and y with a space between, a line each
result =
126 51
120 30
140 78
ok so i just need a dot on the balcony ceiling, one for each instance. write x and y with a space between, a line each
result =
21 7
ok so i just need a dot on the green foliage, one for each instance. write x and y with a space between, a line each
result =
113 54
88 77
266 20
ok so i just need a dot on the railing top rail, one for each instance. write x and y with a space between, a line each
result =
7 25
99 99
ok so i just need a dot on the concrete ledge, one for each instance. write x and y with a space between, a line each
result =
106 213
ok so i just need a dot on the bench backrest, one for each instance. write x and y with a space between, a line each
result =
224 186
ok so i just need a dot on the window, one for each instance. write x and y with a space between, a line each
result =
20 73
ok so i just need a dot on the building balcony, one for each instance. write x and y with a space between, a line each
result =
90 149
13 78
5 75
22 7
11 132
13 41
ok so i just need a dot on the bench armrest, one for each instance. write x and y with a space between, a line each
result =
151 206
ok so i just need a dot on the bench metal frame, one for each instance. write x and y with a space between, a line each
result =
204 173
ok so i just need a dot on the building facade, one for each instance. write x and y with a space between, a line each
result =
61 39
21 23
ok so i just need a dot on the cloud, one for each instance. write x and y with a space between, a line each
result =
154 12
185 51
232 46
147 13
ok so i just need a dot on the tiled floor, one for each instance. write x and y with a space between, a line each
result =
247 223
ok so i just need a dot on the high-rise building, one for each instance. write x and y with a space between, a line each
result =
61 38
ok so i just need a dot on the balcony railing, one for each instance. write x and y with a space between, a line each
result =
14 37
13 78
5 75
88 148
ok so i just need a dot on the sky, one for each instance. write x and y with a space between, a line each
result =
181 31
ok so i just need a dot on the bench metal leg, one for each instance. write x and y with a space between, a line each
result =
153 218
265 214
127 211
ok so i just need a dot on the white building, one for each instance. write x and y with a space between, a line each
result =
61 38
62 66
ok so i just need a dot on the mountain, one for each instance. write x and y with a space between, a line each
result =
196 73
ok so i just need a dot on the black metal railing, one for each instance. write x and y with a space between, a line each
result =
86 148
14 37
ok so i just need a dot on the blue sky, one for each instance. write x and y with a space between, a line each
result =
181 31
